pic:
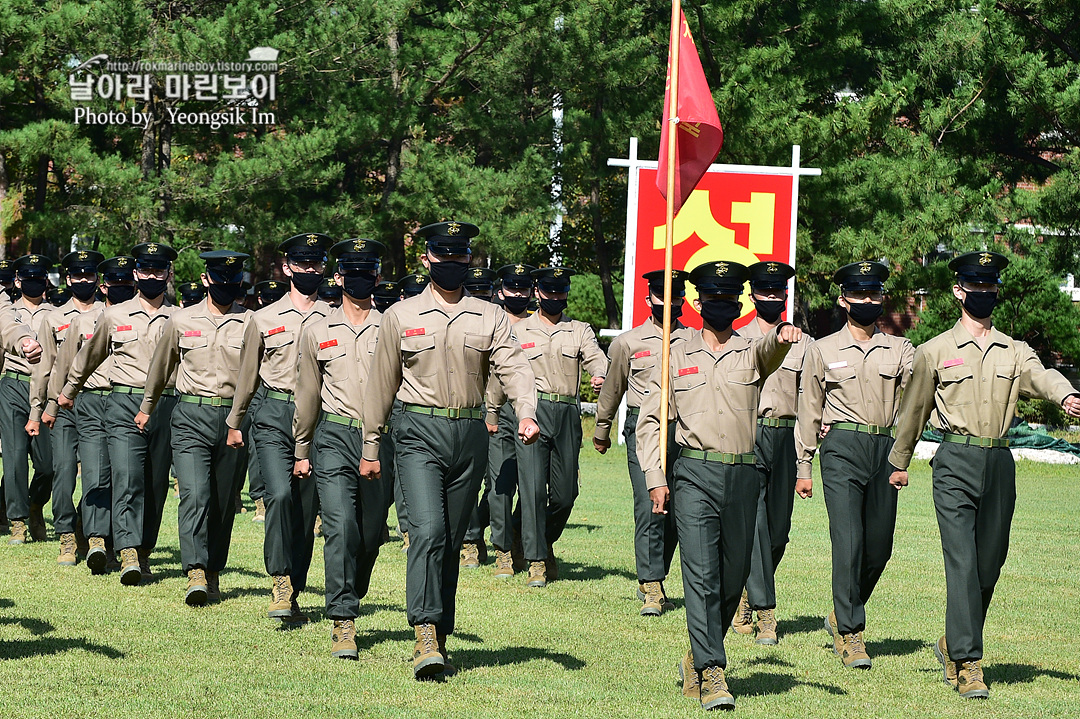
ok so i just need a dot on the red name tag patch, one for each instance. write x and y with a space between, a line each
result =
123 328
329 343
193 333
275 330
61 328
528 345
414 332
88 335
644 353
688 370
953 362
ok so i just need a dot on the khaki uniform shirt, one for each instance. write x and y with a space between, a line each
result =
52 332
633 354
558 352
203 351
12 329
271 349
81 330
713 398
127 332
965 389
845 380
780 395
335 357
13 359
442 357
495 396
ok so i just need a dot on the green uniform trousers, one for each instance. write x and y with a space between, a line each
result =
354 513
388 468
140 469
96 505
974 495
210 473
861 504
65 442
20 449
548 477
441 464
715 511
256 490
775 449
501 484
655 536
291 503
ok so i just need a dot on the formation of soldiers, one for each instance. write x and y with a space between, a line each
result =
448 393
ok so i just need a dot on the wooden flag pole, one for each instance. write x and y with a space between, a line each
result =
669 234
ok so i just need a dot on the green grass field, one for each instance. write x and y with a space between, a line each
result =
72 645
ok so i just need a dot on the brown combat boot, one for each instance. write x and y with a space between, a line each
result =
67 556
280 597
834 632
470 556
260 511
130 572
551 565
97 556
343 640
318 525
144 564
504 564
652 599
854 653
213 587
427 659
196 588
518 555
36 523
766 627
81 545
948 666
18 532
405 542
296 617
714 690
537 579
969 680
743 623
449 669
691 682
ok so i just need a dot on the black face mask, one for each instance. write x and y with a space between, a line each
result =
552 307
658 312
448 275
224 295
865 313
33 286
151 288
359 285
120 293
719 314
980 305
769 310
516 305
307 283
83 291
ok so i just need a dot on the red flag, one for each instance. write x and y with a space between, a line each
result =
699 133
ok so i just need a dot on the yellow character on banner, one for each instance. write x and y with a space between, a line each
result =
696 218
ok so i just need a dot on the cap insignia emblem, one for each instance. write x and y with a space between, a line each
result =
773 268
312 240
721 269
453 228
986 259
864 268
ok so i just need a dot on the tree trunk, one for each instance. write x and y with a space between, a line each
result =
394 233
164 157
3 196
148 165
603 261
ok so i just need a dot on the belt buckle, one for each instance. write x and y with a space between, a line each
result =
453 412
873 429
215 401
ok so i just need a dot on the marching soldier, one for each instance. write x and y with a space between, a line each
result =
7 280
775 448
412 285
435 352
966 381
139 457
479 283
335 356
190 293
851 385
80 269
203 342
633 355
91 430
557 348
25 498
715 385
271 347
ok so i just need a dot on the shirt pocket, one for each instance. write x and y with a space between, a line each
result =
330 357
692 396
418 355
956 385
278 343
743 391
124 341
477 352
567 357
190 345
839 377
1003 383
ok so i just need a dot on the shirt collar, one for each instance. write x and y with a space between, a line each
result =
426 303
848 340
338 318
962 337
696 343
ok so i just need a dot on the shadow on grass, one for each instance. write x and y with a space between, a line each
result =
576 572
43 645
806 624
174 569
1022 674
587 527
896 647
764 683
769 660
467 659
